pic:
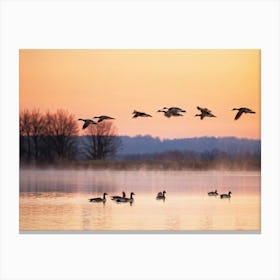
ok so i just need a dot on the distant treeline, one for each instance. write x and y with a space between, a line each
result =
213 159
147 144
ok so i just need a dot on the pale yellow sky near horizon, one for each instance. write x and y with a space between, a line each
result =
116 82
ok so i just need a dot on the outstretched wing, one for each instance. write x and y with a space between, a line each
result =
203 110
238 114
86 124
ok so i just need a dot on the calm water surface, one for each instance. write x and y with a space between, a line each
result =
58 200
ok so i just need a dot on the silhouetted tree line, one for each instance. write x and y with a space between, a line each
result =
54 136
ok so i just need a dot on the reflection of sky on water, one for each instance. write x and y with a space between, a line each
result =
58 200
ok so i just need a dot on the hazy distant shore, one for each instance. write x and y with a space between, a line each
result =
143 165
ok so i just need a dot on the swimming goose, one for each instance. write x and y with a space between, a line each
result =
226 195
87 122
139 114
241 111
215 193
126 199
99 199
102 118
161 195
204 113
115 197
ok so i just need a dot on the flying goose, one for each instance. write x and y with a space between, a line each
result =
224 195
161 195
241 111
174 109
87 122
126 199
215 193
139 114
169 114
115 197
99 199
102 118
204 113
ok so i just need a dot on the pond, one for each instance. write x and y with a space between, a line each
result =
58 200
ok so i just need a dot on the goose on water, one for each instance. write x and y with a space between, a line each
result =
87 122
115 197
161 195
224 195
126 199
204 113
140 114
102 118
99 199
241 111
215 193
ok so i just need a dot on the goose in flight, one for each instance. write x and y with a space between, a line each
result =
174 109
115 197
87 122
139 114
204 113
102 118
224 195
99 199
215 193
161 195
241 111
126 199
169 114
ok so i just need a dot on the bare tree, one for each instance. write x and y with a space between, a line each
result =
37 126
62 127
25 132
101 141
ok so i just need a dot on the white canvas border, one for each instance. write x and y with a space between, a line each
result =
139 24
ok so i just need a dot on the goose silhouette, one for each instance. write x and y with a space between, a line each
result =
87 122
115 197
241 111
126 199
99 199
224 195
161 195
137 114
102 118
204 113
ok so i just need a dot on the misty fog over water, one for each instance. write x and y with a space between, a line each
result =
58 200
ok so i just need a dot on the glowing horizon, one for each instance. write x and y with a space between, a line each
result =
116 82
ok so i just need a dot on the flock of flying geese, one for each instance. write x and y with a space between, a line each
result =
160 196
169 112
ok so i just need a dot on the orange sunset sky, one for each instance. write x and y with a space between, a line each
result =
87 83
